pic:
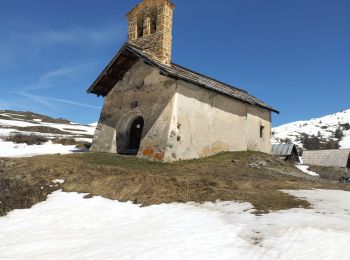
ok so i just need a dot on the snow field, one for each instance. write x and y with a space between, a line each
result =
13 150
66 226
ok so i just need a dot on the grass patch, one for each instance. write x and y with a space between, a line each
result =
16 193
74 130
225 177
330 173
26 139
70 141
41 129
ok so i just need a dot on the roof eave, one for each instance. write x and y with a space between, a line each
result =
164 72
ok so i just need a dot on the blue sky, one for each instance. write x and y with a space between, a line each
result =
295 55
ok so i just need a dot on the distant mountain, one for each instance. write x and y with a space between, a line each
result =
332 131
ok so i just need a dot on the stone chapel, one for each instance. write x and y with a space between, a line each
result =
159 110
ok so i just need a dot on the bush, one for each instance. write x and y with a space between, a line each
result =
286 141
316 143
27 139
339 134
345 126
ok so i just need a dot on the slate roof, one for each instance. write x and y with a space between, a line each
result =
282 149
129 54
328 158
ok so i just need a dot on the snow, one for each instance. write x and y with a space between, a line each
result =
72 128
6 132
89 140
17 123
305 169
345 142
13 150
93 124
326 126
8 149
66 226
58 181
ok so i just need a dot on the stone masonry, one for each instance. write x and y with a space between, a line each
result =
150 28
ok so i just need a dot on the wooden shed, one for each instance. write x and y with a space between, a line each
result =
328 158
287 152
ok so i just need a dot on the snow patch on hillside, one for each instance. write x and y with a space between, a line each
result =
13 150
66 226
324 126
305 169
26 123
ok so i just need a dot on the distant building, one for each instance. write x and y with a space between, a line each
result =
328 158
161 111
287 152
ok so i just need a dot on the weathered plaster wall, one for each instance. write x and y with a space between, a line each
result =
182 120
257 117
207 123
154 95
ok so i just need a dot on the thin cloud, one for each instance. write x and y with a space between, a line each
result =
59 73
59 77
49 101
21 46
38 99
73 35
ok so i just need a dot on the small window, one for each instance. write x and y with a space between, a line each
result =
262 131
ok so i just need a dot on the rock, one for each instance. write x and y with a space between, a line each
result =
258 164
5 163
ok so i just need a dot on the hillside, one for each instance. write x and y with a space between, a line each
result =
242 176
27 133
326 129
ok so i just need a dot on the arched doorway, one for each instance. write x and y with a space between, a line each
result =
135 135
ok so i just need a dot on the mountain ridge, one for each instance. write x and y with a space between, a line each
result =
331 129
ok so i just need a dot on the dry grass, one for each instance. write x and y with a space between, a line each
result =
17 193
223 177
70 141
330 173
26 139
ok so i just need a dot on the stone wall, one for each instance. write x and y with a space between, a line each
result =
156 19
256 118
153 95
206 123
182 120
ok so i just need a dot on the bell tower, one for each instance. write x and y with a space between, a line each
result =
150 28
